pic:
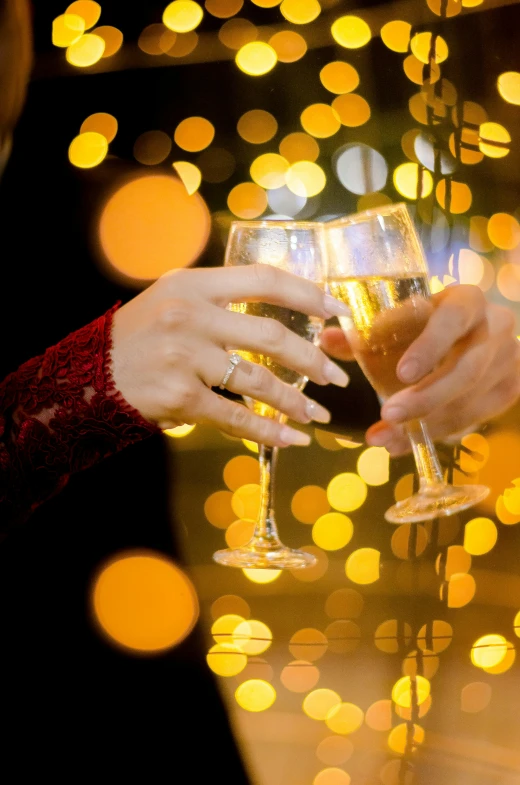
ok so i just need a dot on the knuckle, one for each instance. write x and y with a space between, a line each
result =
273 332
184 396
259 379
178 313
264 275
239 418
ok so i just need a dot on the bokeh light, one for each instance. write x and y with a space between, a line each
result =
241 470
88 149
223 9
480 536
505 664
396 35
360 168
86 51
183 45
352 32
189 174
478 234
269 170
488 650
343 635
508 281
409 541
320 120
226 660
435 636
305 179
407 691
332 776
344 718
88 10
418 72
300 12
332 531
421 46
334 750
299 146
494 140
403 737
318 569
148 217
194 134
392 635
230 604
252 637
256 58
224 627
182 16
373 465
245 501
339 77
308 644
239 533
180 431
508 85
288 45
363 566
445 9
318 703
309 503
379 715
144 602
101 123
460 590
346 492
247 200
456 197
216 164
424 663
255 695
257 126
236 33
352 109
300 676
504 231
67 29
344 604
261 576
152 147
411 182
475 697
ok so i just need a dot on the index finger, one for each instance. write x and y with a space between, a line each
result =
457 311
265 283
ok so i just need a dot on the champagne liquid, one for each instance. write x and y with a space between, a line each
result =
387 313
305 326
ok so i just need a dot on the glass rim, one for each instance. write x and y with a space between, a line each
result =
372 212
265 223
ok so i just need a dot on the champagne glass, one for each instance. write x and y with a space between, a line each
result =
299 248
376 266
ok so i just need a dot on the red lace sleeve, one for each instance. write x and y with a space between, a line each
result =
61 413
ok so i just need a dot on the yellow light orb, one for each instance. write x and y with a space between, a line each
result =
343 635
89 11
88 149
300 12
475 697
332 531
332 776
308 644
362 566
257 126
460 590
339 77
247 200
409 540
308 503
182 16
189 174
318 703
245 501
508 281
299 146
488 651
435 636
300 676
144 602
407 691
320 120
180 431
471 270
261 576
152 147
112 37
266 3
396 35
305 178
194 134
67 29
505 664
239 533
407 180
353 110
224 659
392 635
183 45
255 695
480 536
455 560
344 604
224 627
494 139
421 44
504 231
252 636
218 510
230 603
237 32
400 738
256 58
351 32
241 470
346 492
101 123
508 85
460 197
373 465
344 718
516 624
268 170
417 71
445 9
288 45
223 9
86 51
471 3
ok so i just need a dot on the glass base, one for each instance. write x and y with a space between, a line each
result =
276 558
441 500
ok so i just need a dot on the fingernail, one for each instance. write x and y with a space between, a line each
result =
315 412
292 436
380 438
334 374
334 307
409 371
394 413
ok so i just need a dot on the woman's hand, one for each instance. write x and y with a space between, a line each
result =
463 369
170 347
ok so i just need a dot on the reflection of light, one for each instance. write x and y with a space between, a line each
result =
257 126
300 676
247 200
181 16
318 703
332 531
406 181
255 695
339 77
180 431
344 718
145 602
148 217
89 11
346 492
305 178
396 35
152 147
352 109
86 51
101 123
480 536
288 45
189 174
194 134
67 29
300 12
351 32
320 120
224 659
488 651
88 149
508 85
362 566
112 37
256 58
261 576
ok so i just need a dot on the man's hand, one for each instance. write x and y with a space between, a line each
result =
463 369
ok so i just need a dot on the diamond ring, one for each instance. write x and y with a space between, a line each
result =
234 359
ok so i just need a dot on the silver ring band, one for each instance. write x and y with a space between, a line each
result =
234 359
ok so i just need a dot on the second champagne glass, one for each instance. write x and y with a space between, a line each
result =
297 247
378 268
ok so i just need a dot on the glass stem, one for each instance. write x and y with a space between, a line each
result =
425 454
265 529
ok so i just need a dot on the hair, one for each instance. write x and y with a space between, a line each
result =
16 45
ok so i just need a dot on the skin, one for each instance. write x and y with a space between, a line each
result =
463 370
